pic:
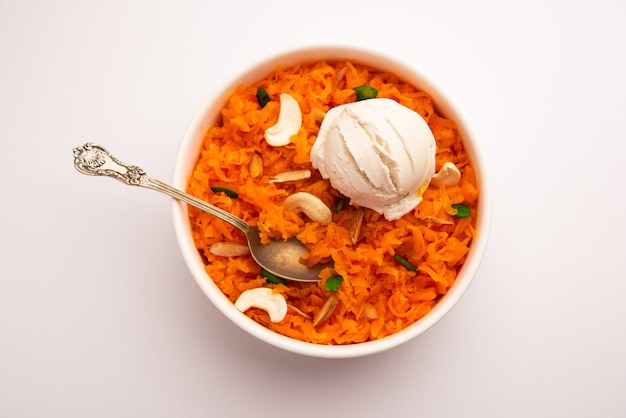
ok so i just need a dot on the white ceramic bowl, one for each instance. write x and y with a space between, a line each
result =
188 154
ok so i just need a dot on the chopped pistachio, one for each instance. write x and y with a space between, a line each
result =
333 283
262 97
338 205
462 211
228 192
365 92
271 278
404 263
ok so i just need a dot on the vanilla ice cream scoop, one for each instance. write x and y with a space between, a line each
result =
378 153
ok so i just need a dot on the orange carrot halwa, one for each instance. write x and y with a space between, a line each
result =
378 295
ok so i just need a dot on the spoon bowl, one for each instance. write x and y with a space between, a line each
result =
279 257
282 258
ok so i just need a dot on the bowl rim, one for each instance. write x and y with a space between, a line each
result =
187 155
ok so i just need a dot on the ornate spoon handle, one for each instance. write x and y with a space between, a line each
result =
94 160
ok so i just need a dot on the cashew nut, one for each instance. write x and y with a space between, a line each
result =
288 124
310 205
448 175
264 298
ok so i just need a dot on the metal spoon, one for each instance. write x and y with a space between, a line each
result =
281 258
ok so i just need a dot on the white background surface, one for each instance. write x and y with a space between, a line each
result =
99 316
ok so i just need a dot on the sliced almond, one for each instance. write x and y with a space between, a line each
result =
298 311
256 165
288 176
326 310
340 75
355 225
439 221
369 311
318 114
229 249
